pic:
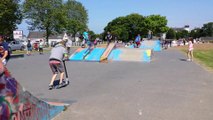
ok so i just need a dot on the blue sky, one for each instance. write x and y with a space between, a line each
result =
178 12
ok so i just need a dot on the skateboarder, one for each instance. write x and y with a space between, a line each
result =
137 41
88 42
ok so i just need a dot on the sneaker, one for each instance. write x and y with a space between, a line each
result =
50 87
188 59
67 82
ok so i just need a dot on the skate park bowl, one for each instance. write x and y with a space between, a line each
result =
155 45
16 103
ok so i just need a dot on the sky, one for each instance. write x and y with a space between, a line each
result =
179 13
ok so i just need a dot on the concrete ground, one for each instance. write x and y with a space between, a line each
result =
168 88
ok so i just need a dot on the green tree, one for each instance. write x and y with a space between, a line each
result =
76 17
171 34
195 33
156 23
117 28
208 29
127 27
182 34
44 15
10 16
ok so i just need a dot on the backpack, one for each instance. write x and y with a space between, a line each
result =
29 45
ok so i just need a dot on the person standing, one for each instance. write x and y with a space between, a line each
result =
108 38
41 46
68 45
5 53
58 54
190 50
95 42
29 48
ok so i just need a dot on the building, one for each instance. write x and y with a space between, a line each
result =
36 36
186 27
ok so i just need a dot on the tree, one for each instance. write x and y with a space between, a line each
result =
195 33
127 27
76 17
10 16
171 34
208 29
44 15
182 34
156 23
119 27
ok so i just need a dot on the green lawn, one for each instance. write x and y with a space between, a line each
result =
205 56
24 51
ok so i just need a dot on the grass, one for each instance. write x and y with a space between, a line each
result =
24 51
203 54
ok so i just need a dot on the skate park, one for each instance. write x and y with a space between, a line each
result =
115 53
159 89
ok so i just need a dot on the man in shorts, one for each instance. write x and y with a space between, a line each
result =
58 54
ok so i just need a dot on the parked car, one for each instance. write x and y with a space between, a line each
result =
16 45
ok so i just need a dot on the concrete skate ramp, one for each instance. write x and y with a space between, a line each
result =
18 104
129 54
151 44
94 55
78 55
155 45
107 52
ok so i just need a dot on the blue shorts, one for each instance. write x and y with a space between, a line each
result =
29 48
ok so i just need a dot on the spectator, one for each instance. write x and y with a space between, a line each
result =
5 53
95 42
29 48
68 45
190 50
40 48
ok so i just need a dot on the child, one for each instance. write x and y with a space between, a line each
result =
58 53
88 42
190 51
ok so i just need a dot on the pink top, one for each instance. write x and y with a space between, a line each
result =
190 46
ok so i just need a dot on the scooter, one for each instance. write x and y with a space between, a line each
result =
66 81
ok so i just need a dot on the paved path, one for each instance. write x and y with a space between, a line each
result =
168 88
